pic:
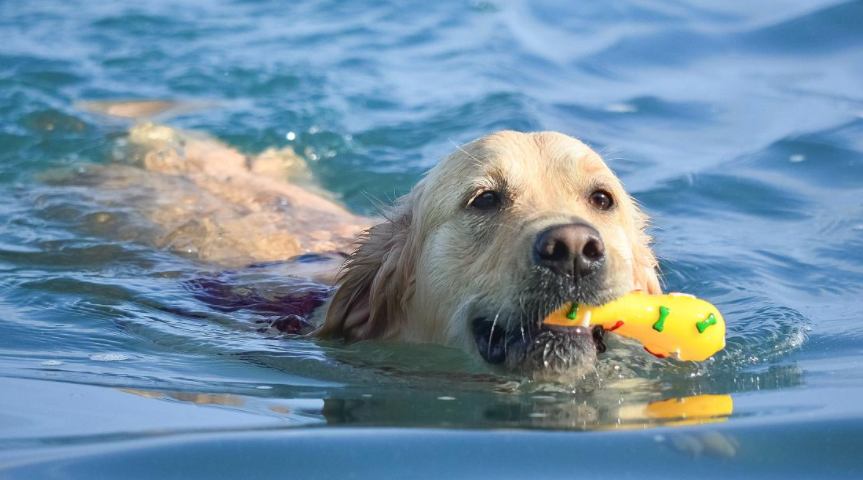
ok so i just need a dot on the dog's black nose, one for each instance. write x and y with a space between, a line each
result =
571 249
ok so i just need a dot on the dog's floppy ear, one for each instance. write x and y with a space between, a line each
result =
644 264
377 280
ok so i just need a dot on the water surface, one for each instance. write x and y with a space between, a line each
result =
738 125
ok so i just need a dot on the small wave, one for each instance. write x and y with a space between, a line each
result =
109 357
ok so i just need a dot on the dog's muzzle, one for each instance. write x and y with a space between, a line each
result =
532 346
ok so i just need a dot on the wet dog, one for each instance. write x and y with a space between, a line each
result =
499 234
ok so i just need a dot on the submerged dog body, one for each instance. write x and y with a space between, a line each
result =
499 234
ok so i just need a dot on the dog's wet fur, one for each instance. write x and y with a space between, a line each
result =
454 262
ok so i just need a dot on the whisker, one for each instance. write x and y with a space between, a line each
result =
505 341
491 333
458 147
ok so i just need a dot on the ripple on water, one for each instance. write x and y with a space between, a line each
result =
109 357
719 194
825 160
738 122
768 333
826 29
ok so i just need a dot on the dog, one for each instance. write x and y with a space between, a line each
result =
499 234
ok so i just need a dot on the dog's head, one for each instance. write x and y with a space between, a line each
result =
498 235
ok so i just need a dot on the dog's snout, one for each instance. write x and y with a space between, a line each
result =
571 249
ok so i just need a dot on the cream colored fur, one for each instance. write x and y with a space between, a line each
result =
418 276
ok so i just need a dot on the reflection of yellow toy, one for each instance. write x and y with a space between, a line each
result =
696 407
695 410
674 324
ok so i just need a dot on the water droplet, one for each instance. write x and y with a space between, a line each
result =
291 136
797 158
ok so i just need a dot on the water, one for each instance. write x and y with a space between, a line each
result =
739 126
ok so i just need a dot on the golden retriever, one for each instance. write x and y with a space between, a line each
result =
498 235
503 231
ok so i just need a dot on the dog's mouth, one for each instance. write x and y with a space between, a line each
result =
519 339
530 345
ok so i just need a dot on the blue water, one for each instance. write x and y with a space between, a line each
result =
738 125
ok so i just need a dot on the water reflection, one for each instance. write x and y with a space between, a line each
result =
453 412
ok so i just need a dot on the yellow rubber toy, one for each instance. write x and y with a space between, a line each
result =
676 324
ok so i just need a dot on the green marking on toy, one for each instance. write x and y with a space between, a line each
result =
660 324
702 326
572 311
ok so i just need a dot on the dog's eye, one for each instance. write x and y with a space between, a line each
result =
486 200
601 200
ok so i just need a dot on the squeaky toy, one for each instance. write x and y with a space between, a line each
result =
675 324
